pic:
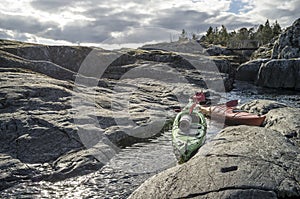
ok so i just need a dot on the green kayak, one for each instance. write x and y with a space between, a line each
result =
188 134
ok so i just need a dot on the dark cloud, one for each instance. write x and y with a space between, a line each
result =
24 24
131 18
179 19
106 20
92 32
97 12
51 5
231 21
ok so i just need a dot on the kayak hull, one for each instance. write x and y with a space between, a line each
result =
186 144
232 116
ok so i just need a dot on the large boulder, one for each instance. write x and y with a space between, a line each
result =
261 107
279 117
240 162
249 70
282 70
214 50
264 51
282 73
286 121
288 44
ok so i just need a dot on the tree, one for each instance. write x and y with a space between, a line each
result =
183 36
209 31
251 33
267 33
258 35
276 29
195 37
243 37
224 36
243 34
209 37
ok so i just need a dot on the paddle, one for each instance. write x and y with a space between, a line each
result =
197 98
232 103
177 110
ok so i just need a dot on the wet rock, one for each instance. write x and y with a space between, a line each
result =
240 162
13 171
249 70
49 121
60 129
288 44
75 164
283 73
37 128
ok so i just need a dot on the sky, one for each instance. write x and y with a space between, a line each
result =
107 23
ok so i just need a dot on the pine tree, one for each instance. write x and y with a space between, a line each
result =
267 33
264 34
276 29
224 36
195 37
209 37
183 35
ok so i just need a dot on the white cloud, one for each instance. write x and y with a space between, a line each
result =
285 11
93 21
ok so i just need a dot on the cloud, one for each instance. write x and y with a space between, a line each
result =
143 35
95 21
51 5
24 24
182 19
285 11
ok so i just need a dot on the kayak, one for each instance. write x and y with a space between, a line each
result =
188 134
232 115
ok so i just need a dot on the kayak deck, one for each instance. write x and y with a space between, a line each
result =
187 142
232 115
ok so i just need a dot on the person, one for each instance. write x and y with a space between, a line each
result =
195 101
199 97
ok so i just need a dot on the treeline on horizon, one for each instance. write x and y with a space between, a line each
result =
244 37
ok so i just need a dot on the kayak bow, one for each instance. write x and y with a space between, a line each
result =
188 134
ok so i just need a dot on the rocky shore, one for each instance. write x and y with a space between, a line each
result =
240 162
59 120
67 111
276 65
244 161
